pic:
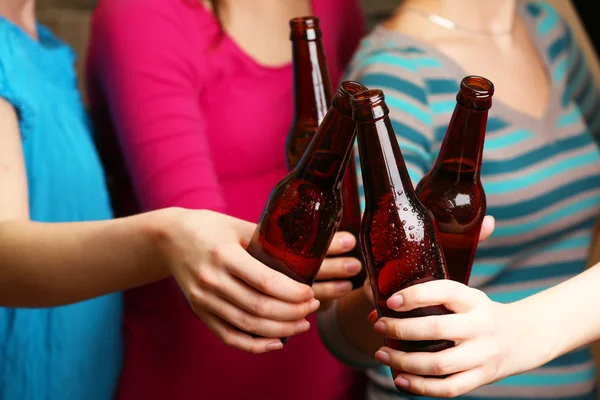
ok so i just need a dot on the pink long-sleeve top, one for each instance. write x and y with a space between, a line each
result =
202 125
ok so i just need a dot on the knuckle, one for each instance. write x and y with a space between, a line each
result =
287 330
399 330
256 348
195 298
441 366
205 277
247 323
259 307
265 282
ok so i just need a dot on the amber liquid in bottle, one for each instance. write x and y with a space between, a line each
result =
398 234
304 210
452 190
312 98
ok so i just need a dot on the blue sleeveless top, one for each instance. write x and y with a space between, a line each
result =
71 352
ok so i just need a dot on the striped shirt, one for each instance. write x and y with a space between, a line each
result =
541 177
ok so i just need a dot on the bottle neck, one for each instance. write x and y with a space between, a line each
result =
382 164
325 160
462 147
312 85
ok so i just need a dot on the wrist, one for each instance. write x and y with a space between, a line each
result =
156 231
530 341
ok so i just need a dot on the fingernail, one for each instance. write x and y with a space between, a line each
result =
314 305
346 241
401 381
352 267
302 326
274 346
383 357
343 287
379 327
373 316
396 301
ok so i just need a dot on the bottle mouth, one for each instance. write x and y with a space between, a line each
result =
306 28
344 95
308 22
368 98
477 87
351 88
368 105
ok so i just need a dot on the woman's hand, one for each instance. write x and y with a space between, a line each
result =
487 227
228 289
333 281
487 337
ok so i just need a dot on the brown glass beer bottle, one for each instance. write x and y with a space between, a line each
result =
305 208
452 190
398 234
312 98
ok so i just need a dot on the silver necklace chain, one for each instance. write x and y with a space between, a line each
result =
448 24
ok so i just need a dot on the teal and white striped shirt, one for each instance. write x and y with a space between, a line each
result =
541 177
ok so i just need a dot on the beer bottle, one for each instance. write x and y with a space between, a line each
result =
305 208
452 190
398 234
312 98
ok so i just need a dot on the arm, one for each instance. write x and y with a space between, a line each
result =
40 264
44 264
152 87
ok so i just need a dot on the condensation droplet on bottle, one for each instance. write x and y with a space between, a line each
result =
410 228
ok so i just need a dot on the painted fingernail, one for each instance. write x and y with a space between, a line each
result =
383 357
274 346
352 267
379 327
373 316
302 326
343 287
401 381
396 301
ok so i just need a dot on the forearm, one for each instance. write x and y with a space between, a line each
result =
347 333
44 264
560 319
353 310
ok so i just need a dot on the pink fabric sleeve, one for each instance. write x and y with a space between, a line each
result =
151 86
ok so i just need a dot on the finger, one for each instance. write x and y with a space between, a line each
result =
342 243
244 320
337 268
265 279
235 338
452 386
454 296
251 300
331 290
489 223
433 327
465 356
244 229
